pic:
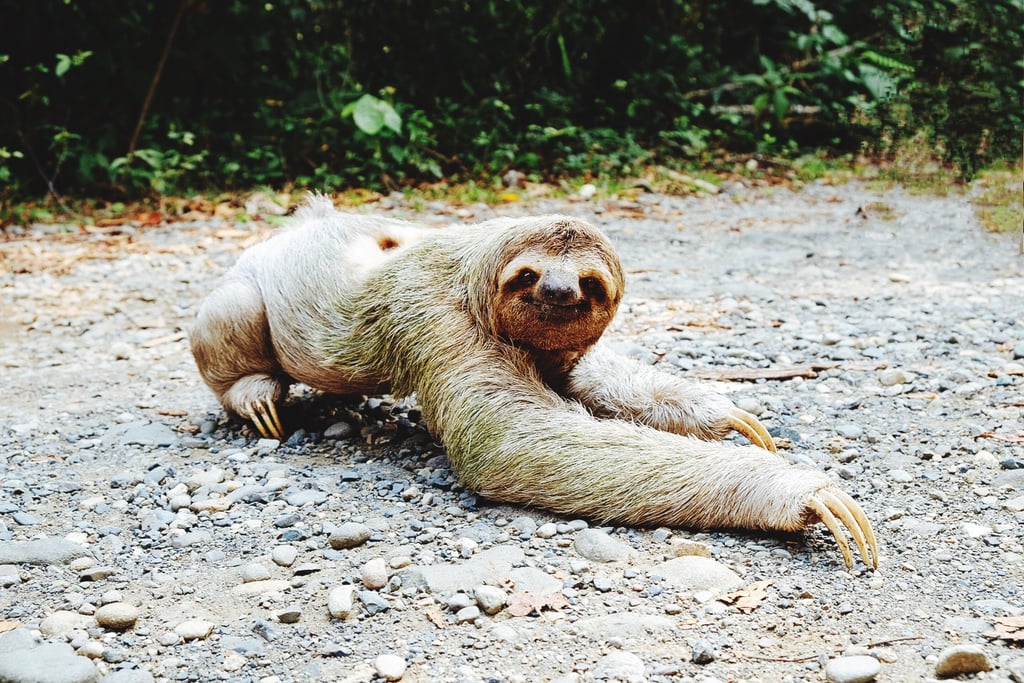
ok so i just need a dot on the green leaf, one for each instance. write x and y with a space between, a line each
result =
371 114
781 103
63 64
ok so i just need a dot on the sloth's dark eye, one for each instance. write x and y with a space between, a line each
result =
592 288
526 278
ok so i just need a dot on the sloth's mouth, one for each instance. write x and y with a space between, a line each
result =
552 311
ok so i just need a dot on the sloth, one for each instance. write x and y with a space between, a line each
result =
495 329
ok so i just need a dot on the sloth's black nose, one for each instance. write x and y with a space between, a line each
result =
558 291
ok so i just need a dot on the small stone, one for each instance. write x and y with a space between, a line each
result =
48 662
682 547
289 615
339 602
490 598
587 190
338 430
389 667
703 652
597 546
962 659
194 629
349 535
548 530
50 550
284 555
254 571
373 602
850 431
58 624
888 378
374 574
619 665
117 616
467 614
856 669
698 573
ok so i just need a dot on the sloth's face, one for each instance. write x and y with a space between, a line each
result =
557 297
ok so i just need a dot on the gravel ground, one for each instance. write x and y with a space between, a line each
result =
143 536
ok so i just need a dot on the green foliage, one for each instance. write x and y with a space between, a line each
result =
388 93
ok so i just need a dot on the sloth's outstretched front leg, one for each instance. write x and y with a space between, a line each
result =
520 445
611 385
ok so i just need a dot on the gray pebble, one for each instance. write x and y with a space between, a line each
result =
697 573
888 378
373 602
47 662
49 550
850 431
349 535
132 675
338 430
25 518
855 669
597 546
548 530
1018 351
962 659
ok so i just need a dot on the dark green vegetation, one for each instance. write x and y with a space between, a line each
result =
123 99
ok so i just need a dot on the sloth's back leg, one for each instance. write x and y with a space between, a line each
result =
232 347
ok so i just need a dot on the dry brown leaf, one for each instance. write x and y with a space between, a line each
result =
748 599
523 603
8 625
1008 628
435 617
999 436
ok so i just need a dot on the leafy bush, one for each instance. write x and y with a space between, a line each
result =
390 92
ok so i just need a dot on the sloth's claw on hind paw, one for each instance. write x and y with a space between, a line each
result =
750 427
264 417
836 509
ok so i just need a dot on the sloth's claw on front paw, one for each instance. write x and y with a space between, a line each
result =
264 417
833 506
750 427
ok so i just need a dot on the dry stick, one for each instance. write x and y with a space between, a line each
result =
807 658
182 6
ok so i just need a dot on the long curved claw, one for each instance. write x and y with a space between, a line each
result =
750 427
835 506
264 418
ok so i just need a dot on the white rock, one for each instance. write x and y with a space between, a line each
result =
254 571
60 622
856 669
619 665
194 629
284 555
697 573
374 573
339 602
962 659
490 598
390 667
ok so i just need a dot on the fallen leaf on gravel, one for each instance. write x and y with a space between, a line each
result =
1008 628
999 436
748 599
8 625
524 602
435 617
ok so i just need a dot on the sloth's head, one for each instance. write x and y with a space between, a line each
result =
558 285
